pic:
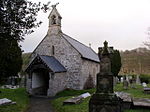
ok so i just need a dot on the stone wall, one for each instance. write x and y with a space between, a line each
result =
78 69
89 68
56 83
65 54
28 84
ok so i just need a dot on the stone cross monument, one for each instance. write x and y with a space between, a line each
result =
104 100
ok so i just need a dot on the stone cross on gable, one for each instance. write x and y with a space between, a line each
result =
53 6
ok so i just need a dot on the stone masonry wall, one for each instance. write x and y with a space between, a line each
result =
28 84
89 68
56 84
66 55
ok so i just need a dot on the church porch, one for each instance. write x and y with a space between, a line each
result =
41 72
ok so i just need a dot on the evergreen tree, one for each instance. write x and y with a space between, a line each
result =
17 18
115 63
10 58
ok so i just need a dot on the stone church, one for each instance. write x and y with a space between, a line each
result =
60 62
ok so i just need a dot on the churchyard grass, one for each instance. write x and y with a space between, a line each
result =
136 92
16 95
83 106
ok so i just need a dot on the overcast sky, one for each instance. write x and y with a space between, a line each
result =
123 23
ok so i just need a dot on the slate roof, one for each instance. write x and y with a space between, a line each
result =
85 51
51 62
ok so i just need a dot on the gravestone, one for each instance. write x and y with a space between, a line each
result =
127 79
146 90
121 79
141 102
5 101
125 84
76 100
138 81
104 100
133 82
126 98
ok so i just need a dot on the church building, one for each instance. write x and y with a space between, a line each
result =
60 62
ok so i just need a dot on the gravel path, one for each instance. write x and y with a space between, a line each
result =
39 104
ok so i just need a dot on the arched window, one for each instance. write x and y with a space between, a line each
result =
53 20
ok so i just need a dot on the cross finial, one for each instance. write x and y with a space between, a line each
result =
106 44
89 44
53 6
105 48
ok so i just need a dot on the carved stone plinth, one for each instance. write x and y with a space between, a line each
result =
104 83
102 102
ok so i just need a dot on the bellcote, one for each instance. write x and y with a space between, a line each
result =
54 20
54 17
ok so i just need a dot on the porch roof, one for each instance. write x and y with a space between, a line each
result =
49 61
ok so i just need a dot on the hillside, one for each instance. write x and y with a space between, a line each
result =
136 61
25 57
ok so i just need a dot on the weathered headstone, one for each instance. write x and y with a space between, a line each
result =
126 98
138 81
5 101
146 90
127 79
141 102
73 100
85 95
76 100
121 79
104 100
125 84
133 82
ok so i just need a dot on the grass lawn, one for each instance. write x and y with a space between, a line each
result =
83 107
19 96
137 92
